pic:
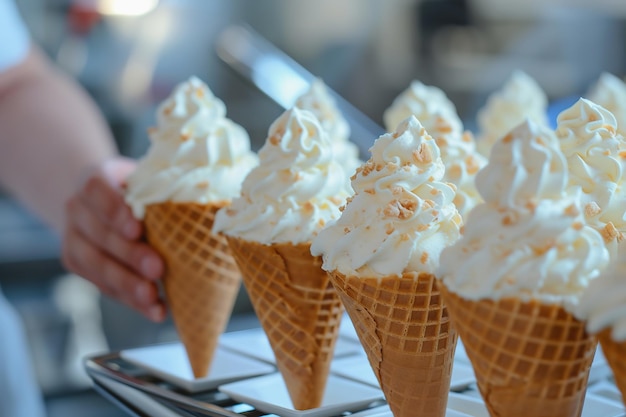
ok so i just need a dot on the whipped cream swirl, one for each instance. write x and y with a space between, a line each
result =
529 238
610 93
196 154
296 189
603 304
596 157
438 115
520 98
317 99
401 216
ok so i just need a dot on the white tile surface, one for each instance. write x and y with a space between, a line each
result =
169 362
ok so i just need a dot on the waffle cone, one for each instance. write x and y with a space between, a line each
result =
201 279
298 309
530 358
615 353
406 333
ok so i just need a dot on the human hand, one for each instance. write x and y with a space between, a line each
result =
102 241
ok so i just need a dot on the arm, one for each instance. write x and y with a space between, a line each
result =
57 156
52 134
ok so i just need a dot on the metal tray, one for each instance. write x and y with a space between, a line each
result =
211 403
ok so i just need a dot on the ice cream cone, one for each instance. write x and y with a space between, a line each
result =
201 279
407 336
530 358
615 353
298 309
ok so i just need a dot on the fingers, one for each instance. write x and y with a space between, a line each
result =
103 242
134 254
111 277
108 204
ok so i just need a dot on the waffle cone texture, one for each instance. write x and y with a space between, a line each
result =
615 353
201 278
298 310
407 335
530 358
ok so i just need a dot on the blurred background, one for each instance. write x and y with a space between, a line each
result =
130 54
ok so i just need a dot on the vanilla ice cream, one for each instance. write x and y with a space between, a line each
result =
519 99
610 93
401 215
595 156
462 162
295 190
603 305
317 99
438 115
529 239
423 102
196 154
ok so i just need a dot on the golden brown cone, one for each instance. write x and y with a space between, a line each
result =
530 358
615 353
201 279
406 333
298 309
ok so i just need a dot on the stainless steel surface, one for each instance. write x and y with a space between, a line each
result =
210 403
282 79
112 366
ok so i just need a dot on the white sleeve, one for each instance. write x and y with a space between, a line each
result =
14 38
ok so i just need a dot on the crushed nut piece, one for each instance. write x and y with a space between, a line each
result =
571 210
274 139
454 171
472 165
401 209
510 218
592 209
423 155
540 250
531 204
609 232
